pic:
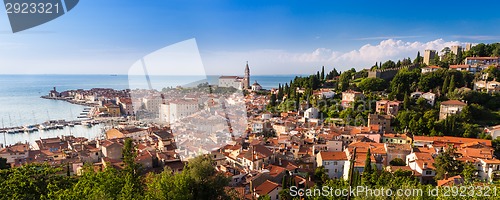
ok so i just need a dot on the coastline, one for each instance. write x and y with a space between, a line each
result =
69 101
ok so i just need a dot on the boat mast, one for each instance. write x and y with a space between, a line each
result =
10 119
4 137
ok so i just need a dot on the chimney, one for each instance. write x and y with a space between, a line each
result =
280 161
425 165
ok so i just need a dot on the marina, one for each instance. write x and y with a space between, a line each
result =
58 124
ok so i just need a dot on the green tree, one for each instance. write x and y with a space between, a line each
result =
388 65
344 80
281 93
446 82
320 175
451 87
446 164
468 172
33 181
265 197
367 171
406 102
397 162
4 164
132 188
418 59
322 76
372 84
404 82
272 102
205 181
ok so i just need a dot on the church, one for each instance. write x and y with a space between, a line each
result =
236 81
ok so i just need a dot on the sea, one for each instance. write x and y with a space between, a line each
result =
21 105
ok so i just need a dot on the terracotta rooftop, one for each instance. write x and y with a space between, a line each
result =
455 180
333 155
266 187
453 102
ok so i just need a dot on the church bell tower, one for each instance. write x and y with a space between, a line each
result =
246 79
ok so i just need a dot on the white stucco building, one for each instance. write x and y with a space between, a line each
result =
178 109
333 162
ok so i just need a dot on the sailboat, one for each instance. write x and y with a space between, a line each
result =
11 130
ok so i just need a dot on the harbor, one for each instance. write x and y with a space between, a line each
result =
61 124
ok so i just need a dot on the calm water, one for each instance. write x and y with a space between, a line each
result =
20 102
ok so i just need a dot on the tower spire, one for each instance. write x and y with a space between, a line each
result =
246 79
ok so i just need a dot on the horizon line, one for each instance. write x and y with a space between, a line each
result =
110 74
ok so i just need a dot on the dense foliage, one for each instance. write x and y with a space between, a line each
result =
199 180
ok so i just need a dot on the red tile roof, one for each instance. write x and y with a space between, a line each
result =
266 187
453 102
333 155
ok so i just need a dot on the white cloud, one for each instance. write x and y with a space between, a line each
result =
285 62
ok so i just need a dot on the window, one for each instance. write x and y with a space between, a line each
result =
335 163
428 172
335 170
327 163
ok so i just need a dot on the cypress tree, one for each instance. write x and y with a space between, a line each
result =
406 103
367 172
322 73
446 82
283 181
418 58
335 73
451 86
368 164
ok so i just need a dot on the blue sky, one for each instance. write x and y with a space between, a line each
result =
276 37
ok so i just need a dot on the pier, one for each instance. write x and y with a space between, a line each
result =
57 124
70 100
